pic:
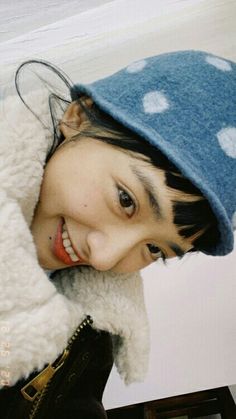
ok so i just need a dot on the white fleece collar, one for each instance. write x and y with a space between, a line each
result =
38 315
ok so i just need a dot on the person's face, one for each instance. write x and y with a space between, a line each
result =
103 207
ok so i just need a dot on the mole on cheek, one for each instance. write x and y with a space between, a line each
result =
50 238
85 205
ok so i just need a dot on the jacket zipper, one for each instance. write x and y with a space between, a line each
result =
36 390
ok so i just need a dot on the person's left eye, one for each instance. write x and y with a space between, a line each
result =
126 202
155 251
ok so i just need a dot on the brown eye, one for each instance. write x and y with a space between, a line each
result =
154 250
126 202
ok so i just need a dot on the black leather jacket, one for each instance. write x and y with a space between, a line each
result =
71 387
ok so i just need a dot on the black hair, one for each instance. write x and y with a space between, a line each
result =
193 217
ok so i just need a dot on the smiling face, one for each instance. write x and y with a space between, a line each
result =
104 207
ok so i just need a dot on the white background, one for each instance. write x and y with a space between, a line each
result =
191 303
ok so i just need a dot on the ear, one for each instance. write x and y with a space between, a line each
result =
74 117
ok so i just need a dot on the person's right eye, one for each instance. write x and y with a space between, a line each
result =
126 202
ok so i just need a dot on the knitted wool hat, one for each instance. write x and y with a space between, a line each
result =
184 103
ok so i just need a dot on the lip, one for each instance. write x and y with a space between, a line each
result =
59 250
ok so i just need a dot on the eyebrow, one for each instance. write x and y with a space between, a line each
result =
149 189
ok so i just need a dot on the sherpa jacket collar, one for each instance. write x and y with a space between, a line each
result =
39 315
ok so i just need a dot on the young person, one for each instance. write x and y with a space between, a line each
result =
143 168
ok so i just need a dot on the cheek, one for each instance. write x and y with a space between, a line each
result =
75 193
132 262
130 265
84 206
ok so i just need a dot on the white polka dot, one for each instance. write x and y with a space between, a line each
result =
155 102
234 220
136 66
219 63
227 141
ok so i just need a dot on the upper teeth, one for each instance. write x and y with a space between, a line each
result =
68 246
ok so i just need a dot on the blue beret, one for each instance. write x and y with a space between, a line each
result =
183 103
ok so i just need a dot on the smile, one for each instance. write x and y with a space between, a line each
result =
68 245
62 246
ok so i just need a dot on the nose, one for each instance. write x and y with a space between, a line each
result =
106 250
